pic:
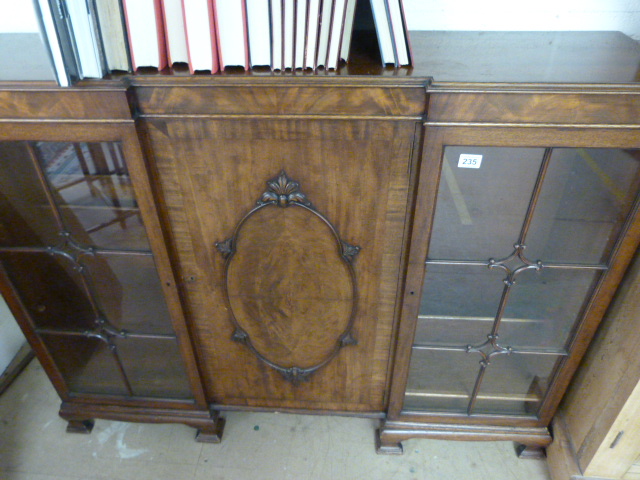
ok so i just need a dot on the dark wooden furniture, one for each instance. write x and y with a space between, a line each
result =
91 287
272 233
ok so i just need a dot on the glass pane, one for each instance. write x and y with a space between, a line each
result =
480 211
515 384
92 188
86 364
154 367
454 296
26 219
128 291
543 307
50 289
460 332
585 199
440 381
63 205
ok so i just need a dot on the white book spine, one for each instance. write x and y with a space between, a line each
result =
348 29
301 33
399 34
325 28
259 32
289 30
335 39
197 24
54 43
276 34
383 30
113 34
142 27
175 32
85 39
231 33
313 17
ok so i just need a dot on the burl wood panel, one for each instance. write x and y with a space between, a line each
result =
356 172
513 107
285 99
65 104
288 287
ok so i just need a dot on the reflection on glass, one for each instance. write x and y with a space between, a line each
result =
51 290
461 291
154 367
74 247
429 389
132 280
455 301
93 191
543 307
26 217
585 199
86 364
479 211
515 384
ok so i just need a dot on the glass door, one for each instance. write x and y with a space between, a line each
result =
520 243
74 247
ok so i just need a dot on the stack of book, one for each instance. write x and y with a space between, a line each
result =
91 38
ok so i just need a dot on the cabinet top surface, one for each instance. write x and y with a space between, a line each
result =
596 58
527 57
481 57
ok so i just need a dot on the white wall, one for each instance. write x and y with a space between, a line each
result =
11 338
544 15
623 15
18 16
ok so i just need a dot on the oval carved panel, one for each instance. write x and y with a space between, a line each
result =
290 282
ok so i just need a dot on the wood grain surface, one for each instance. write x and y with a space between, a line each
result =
65 103
355 172
288 287
499 106
291 98
603 399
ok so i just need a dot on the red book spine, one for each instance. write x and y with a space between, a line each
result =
245 35
186 30
245 31
166 32
162 43
127 20
213 25
216 25
160 37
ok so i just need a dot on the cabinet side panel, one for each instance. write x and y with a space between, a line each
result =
355 172
609 373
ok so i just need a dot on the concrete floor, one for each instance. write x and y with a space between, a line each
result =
34 446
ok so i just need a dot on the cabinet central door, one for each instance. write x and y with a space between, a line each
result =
289 236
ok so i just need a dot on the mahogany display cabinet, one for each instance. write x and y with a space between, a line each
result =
430 246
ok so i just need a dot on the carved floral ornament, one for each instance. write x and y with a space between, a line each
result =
272 329
284 191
